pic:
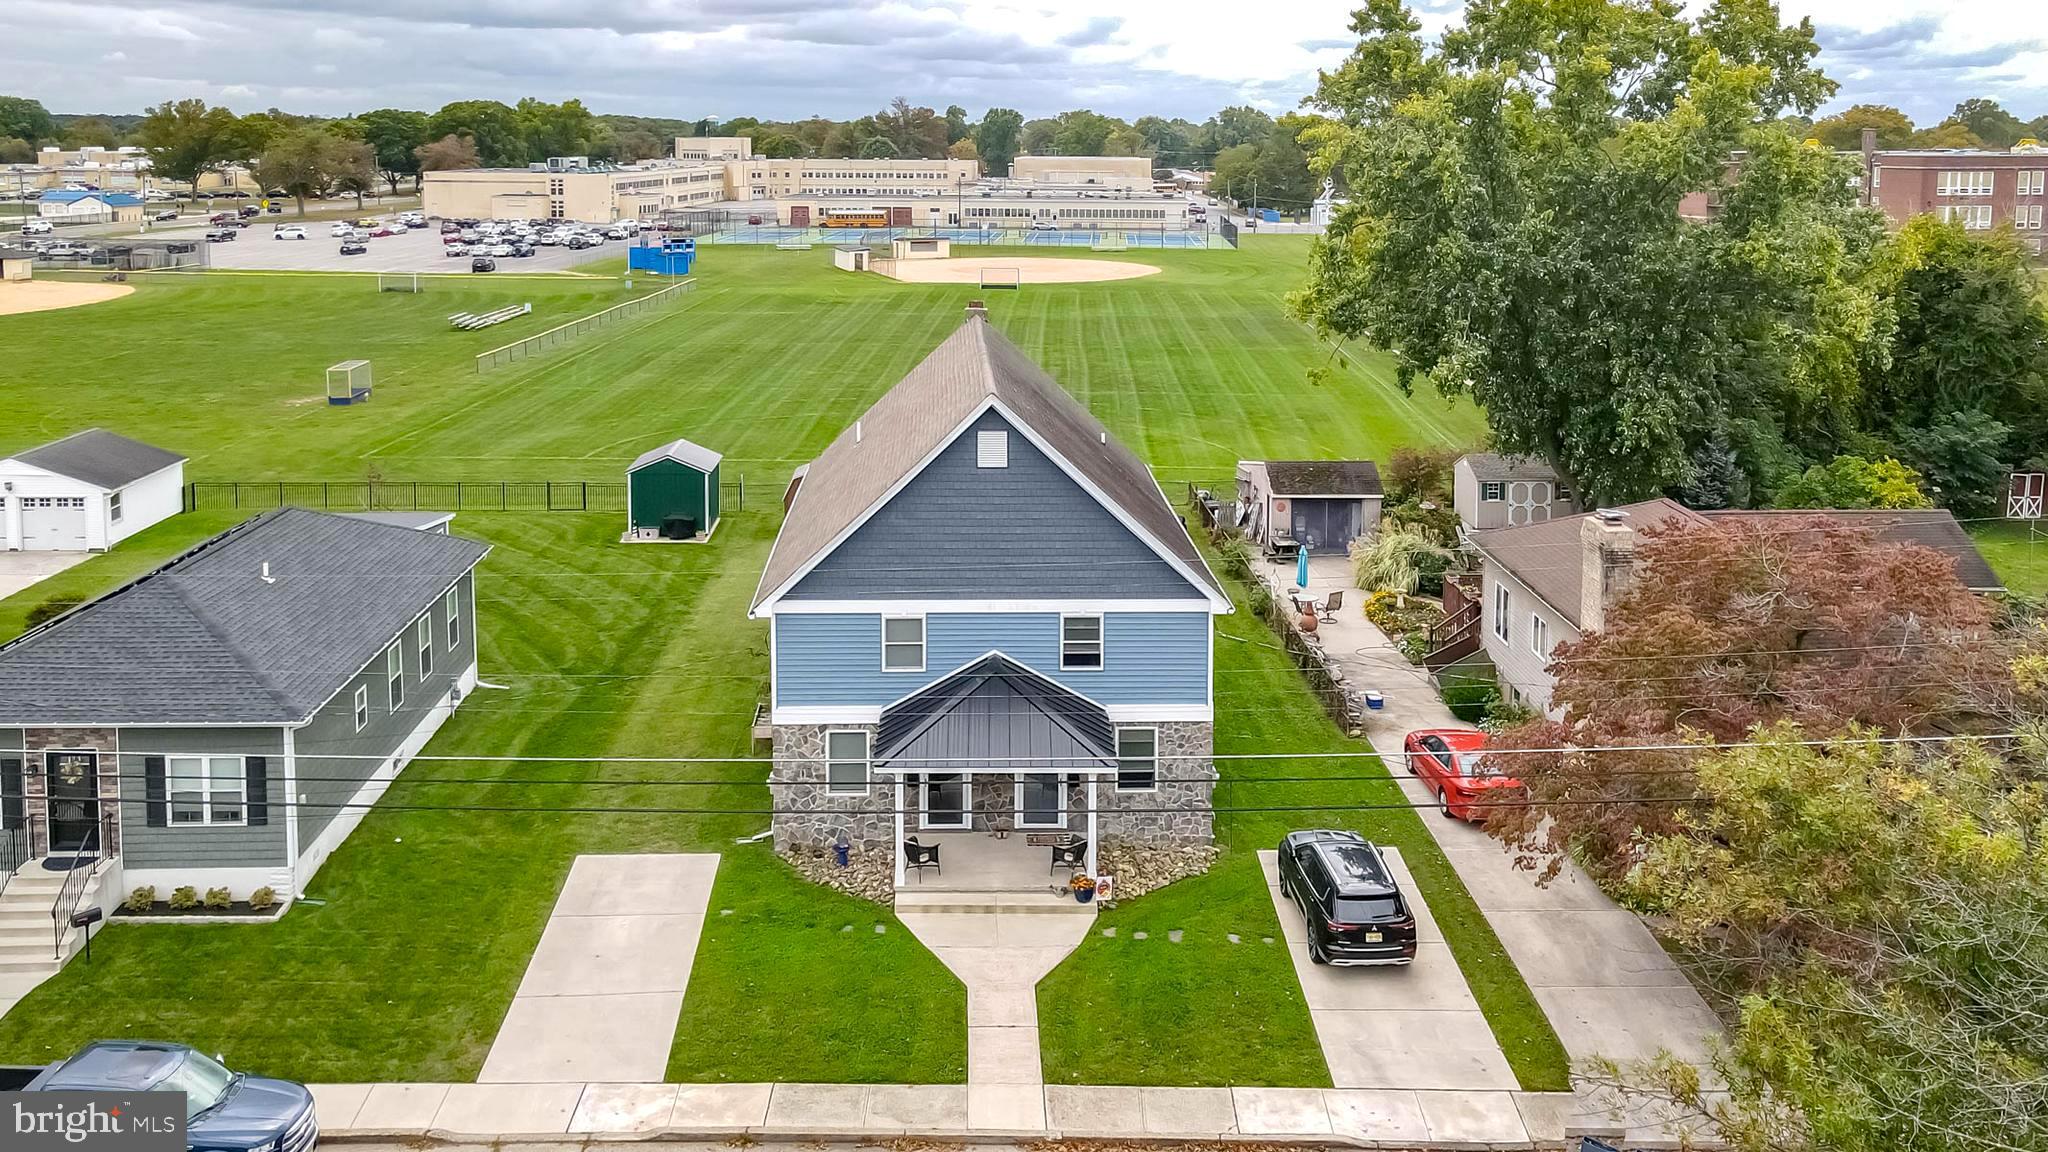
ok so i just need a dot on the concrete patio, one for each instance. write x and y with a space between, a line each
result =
979 862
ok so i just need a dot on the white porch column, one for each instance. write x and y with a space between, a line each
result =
897 847
1091 824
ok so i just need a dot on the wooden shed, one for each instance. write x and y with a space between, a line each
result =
672 493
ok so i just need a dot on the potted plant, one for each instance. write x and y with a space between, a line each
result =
1084 888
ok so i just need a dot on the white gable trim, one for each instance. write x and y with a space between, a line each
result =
1218 603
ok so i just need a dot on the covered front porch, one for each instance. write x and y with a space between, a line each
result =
1001 764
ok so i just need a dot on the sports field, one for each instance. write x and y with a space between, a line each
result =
432 908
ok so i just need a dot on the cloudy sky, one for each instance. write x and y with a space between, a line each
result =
840 58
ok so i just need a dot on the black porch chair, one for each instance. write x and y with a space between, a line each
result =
1327 610
1073 856
919 857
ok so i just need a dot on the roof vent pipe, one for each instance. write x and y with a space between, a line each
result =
856 431
267 577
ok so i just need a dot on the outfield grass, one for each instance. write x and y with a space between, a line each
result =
430 915
1207 1011
2018 552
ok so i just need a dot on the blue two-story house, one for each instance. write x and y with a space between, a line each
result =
984 613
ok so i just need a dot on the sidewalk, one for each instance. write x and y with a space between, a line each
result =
878 1111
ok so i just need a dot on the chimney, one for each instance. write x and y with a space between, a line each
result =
1607 547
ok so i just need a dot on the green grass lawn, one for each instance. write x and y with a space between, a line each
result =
1210 1012
429 916
2018 552
107 571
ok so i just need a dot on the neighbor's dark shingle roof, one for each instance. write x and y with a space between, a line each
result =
1494 466
1324 477
1546 557
204 640
1934 528
912 419
99 457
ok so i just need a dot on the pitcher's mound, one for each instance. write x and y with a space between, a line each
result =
43 295
1011 269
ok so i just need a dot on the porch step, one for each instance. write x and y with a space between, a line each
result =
1006 903
44 967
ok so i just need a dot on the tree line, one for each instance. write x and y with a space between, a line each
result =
1976 123
1246 147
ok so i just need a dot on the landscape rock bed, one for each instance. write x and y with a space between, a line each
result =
1143 868
868 875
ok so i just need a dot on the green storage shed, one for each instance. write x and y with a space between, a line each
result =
672 492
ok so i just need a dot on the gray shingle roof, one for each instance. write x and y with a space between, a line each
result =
974 364
100 458
1546 557
682 452
204 640
1324 477
1494 466
1934 528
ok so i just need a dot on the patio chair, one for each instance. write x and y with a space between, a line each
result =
919 857
1327 612
1073 856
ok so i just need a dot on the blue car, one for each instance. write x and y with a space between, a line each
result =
224 1111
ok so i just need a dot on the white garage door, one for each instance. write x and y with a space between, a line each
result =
53 522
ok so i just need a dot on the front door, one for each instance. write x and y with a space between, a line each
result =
944 803
1041 801
74 790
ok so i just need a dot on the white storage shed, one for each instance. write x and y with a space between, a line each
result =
87 492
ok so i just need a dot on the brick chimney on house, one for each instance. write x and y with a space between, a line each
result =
1607 552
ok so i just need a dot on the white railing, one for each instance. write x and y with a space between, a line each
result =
562 333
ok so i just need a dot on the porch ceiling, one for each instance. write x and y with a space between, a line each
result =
995 715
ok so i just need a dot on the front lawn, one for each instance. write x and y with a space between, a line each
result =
2018 552
428 914
1208 1011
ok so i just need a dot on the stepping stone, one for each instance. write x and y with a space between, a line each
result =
847 928
1109 933
1173 937
1234 939
725 911
1138 936
879 929
1265 939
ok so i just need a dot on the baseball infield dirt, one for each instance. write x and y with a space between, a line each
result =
43 295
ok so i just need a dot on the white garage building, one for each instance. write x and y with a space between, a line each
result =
88 491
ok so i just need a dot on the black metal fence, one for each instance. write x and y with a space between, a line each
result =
429 495
1228 231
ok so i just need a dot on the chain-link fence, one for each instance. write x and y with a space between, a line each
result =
582 326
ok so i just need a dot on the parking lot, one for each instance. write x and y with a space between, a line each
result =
419 250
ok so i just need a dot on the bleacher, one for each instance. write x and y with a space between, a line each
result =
469 320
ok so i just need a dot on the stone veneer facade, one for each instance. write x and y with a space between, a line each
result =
1178 812
35 782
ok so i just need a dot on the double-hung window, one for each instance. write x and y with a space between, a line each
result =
1137 759
1539 634
846 760
902 643
114 507
1500 610
362 706
206 790
452 602
423 633
394 677
1080 642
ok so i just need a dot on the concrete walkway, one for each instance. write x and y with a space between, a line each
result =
1605 984
1000 945
604 989
878 1111
1415 1026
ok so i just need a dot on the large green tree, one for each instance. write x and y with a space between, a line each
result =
495 129
565 129
26 118
997 138
1844 129
1989 122
310 161
1083 132
394 134
184 138
1514 230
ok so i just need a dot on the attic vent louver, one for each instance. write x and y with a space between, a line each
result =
992 449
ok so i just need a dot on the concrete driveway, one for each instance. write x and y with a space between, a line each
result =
19 570
1415 1026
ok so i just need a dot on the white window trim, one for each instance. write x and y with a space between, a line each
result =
1059 790
362 707
1539 634
1499 488
923 642
423 638
1503 604
453 604
206 819
1101 642
394 676
867 762
114 507
1119 784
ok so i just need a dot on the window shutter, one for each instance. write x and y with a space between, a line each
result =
155 813
11 807
257 803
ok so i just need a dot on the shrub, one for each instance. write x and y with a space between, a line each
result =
1469 697
263 898
184 898
52 608
141 900
218 898
1260 599
1396 558
1420 473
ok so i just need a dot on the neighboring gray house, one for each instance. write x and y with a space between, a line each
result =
1490 490
225 720
1322 505
1545 583
984 613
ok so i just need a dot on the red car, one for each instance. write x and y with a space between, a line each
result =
383 230
1447 761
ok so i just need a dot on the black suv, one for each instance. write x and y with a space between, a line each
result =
1346 892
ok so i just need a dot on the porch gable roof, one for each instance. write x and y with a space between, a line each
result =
995 714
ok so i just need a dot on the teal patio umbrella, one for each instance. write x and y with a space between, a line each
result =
1301 568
